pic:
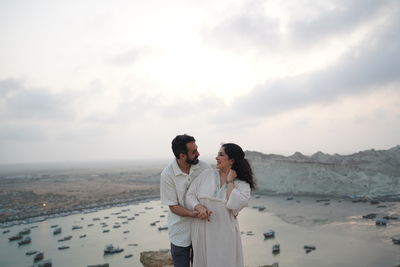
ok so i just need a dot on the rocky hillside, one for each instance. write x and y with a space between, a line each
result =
369 173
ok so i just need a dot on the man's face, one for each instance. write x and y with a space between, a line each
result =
193 153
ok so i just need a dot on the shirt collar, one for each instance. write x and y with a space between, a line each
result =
178 171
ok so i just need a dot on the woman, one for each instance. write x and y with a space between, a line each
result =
219 195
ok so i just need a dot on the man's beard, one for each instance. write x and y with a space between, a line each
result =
193 161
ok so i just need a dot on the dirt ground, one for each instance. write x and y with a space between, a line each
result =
23 194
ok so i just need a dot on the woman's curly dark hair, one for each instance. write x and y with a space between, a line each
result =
240 164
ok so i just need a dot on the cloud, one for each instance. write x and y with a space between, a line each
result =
25 133
9 85
37 104
255 26
31 114
248 26
371 65
130 56
342 16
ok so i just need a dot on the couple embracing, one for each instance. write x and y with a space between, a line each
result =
204 203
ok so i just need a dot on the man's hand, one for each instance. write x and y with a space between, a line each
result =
195 214
204 213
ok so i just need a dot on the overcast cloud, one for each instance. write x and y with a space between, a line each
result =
106 81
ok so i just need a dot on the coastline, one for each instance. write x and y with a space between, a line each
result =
69 211
354 198
93 207
51 193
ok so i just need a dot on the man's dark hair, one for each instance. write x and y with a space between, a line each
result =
179 144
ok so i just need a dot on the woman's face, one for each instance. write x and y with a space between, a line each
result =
223 161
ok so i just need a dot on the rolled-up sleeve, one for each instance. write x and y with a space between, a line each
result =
167 190
239 197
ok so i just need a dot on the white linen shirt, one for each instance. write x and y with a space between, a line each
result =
173 187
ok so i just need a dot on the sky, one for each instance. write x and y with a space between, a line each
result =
118 80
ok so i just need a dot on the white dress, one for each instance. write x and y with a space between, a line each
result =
217 242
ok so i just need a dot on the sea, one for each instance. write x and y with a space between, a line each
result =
341 236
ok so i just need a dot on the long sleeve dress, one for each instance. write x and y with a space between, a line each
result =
217 242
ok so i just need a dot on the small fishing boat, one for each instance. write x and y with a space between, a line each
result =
269 234
57 231
38 257
25 241
276 249
110 249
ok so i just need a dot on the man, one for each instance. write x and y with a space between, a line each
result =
175 181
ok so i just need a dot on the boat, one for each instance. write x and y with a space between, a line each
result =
161 228
57 231
15 237
75 227
381 222
31 252
370 216
63 247
25 231
65 238
125 232
38 257
110 249
46 263
396 240
250 233
99 265
82 236
25 241
390 217
128 256
269 234
117 226
54 226
106 231
276 249
309 248
6 231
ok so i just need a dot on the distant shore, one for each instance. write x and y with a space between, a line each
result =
41 216
34 196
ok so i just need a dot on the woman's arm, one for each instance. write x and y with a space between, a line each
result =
239 196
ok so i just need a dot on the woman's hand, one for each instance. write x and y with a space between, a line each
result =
204 213
231 176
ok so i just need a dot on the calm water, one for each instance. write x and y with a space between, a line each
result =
341 236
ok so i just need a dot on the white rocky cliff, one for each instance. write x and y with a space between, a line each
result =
370 173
